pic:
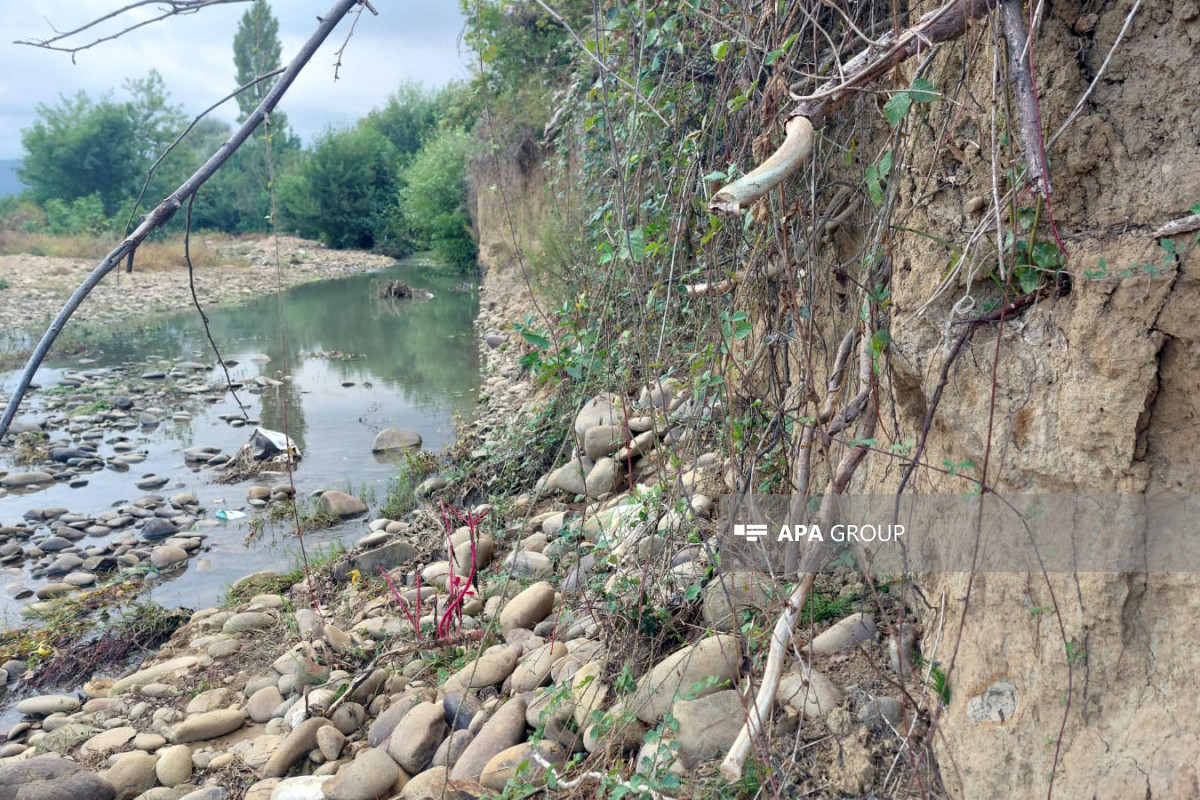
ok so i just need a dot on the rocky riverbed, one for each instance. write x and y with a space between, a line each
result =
105 440
421 684
575 634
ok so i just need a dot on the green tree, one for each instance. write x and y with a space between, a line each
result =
434 201
80 148
344 191
155 120
256 51
240 199
83 147
406 119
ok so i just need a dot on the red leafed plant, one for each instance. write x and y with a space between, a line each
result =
458 586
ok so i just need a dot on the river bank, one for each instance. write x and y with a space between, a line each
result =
391 671
38 286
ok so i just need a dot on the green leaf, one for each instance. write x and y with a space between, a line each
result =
885 164
880 340
772 57
897 108
716 176
737 102
1195 209
874 189
535 339
922 91
634 247
1030 280
720 50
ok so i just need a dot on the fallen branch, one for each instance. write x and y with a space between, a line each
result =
814 560
1178 226
1016 37
795 150
944 24
941 25
167 208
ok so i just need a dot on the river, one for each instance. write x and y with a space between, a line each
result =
357 364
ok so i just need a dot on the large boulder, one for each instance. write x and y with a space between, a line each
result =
699 669
392 440
600 410
340 504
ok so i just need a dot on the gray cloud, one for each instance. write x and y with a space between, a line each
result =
407 41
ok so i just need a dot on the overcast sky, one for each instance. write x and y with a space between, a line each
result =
409 40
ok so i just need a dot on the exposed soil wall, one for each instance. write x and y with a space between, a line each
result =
1095 392
1092 392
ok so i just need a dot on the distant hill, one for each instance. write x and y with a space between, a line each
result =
9 182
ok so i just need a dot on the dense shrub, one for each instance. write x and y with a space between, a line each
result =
343 192
434 200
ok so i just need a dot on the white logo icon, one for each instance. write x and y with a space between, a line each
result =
751 533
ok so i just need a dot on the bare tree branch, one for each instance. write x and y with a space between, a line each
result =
173 8
167 208
337 64
1016 36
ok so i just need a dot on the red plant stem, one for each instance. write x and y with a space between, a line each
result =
400 600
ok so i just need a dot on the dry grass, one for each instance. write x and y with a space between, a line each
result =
166 254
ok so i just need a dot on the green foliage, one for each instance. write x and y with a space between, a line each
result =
344 191
401 492
83 215
406 119
876 176
80 148
83 147
518 42
435 198
937 680
896 109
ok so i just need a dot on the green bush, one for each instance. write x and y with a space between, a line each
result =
83 215
343 191
434 202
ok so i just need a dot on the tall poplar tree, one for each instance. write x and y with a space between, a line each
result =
256 51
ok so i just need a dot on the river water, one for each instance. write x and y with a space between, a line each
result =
411 364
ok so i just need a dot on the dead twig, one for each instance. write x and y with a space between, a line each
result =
174 8
1177 226
814 559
